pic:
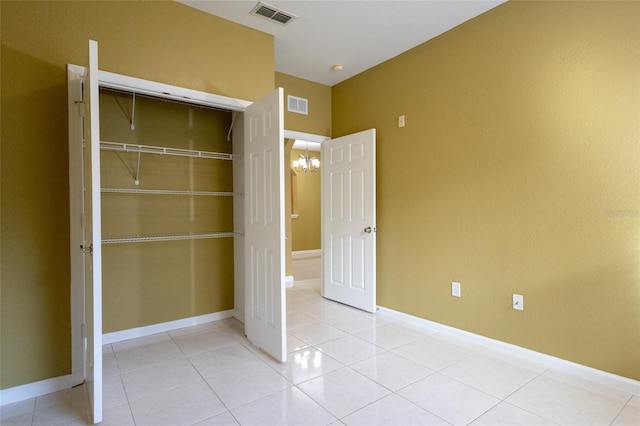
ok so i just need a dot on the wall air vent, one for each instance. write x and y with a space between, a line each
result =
272 13
298 105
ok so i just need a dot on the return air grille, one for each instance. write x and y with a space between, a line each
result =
296 104
272 13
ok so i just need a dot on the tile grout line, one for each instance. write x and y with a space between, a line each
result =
621 410
205 382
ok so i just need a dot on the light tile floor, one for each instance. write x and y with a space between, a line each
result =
345 367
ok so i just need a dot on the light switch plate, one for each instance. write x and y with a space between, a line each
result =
455 289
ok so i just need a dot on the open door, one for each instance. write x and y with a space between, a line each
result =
92 236
349 220
265 309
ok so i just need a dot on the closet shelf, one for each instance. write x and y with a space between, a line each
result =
148 149
169 237
167 192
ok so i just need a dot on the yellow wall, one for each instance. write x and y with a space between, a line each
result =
517 172
318 121
306 227
161 41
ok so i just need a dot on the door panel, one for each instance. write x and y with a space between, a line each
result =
349 220
265 309
93 236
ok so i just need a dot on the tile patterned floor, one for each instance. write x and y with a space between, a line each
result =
345 367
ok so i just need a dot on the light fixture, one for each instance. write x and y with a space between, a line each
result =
337 67
306 163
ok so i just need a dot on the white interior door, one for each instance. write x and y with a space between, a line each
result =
92 236
265 309
349 220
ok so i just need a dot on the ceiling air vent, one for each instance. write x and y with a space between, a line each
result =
272 13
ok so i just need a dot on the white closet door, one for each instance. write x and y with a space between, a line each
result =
349 220
265 310
92 236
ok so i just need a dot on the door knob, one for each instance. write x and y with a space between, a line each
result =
367 229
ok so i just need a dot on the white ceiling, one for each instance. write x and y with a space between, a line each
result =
356 34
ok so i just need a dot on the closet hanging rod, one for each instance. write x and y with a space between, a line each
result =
148 149
168 192
166 97
169 237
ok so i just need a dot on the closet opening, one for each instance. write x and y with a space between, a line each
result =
167 210
181 244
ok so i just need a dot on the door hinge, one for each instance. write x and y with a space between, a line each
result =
84 339
86 249
80 108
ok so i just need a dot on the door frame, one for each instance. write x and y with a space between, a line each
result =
288 134
75 79
308 137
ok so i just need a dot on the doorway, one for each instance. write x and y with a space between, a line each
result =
306 213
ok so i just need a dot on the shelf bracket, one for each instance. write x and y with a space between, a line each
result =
233 120
133 112
137 177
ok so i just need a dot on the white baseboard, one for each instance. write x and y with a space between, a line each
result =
133 333
588 373
32 390
301 254
43 387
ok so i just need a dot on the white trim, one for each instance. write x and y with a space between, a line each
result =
93 235
237 142
134 333
162 90
43 387
608 379
77 69
167 91
301 254
310 137
35 389
75 76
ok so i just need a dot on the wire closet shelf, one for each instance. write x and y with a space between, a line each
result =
167 192
149 149
169 237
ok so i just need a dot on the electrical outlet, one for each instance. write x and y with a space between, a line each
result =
401 121
455 289
518 302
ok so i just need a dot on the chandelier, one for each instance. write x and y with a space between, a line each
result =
306 163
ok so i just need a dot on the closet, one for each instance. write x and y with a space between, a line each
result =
167 210
176 213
